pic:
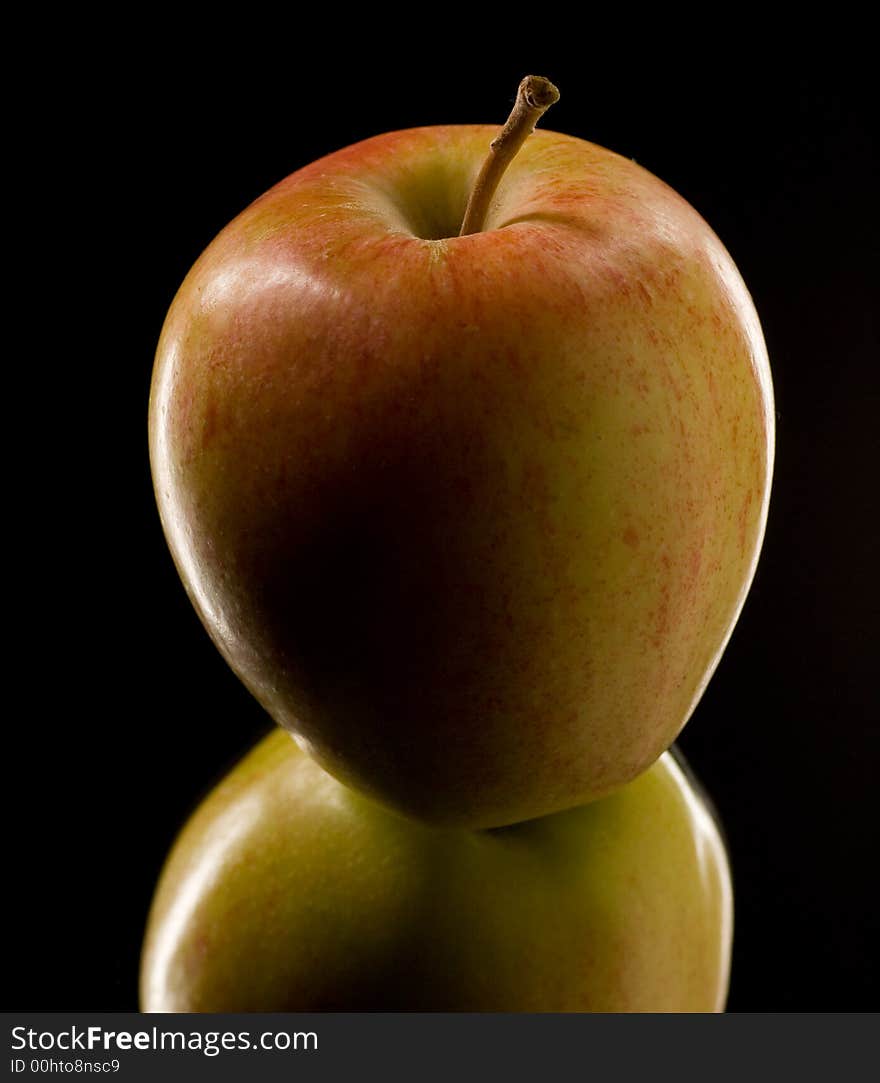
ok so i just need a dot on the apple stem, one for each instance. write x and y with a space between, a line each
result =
533 98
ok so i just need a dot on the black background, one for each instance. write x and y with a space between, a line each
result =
121 714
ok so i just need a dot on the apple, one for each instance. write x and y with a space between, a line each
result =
286 891
473 517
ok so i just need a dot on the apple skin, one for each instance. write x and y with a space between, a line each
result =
287 891
473 518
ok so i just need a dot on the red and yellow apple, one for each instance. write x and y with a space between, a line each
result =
287 891
472 517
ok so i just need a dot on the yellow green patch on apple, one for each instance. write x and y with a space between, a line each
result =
288 891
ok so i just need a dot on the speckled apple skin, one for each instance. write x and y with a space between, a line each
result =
472 517
289 892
